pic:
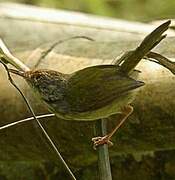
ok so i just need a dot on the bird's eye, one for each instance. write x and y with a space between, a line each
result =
38 76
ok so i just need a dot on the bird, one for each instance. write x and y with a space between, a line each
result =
95 92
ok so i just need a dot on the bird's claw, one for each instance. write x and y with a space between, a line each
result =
100 141
127 109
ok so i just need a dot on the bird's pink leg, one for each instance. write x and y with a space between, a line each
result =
126 112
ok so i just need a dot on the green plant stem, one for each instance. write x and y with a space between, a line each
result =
7 57
103 154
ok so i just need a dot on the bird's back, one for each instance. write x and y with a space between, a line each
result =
96 87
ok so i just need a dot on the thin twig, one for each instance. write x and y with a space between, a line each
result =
46 52
25 120
151 56
161 60
38 122
9 58
103 154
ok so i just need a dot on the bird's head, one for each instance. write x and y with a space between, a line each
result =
48 83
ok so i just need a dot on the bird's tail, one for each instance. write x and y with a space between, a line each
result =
133 57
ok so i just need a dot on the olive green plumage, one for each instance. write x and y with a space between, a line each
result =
89 94
95 92
95 87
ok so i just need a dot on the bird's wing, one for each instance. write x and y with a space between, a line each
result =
97 86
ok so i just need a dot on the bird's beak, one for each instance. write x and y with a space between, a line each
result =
17 72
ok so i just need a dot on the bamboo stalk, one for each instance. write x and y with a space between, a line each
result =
103 153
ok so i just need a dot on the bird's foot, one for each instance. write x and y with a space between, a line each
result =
127 110
101 140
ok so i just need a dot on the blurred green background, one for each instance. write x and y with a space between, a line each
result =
140 10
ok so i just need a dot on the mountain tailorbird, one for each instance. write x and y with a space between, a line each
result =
94 92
